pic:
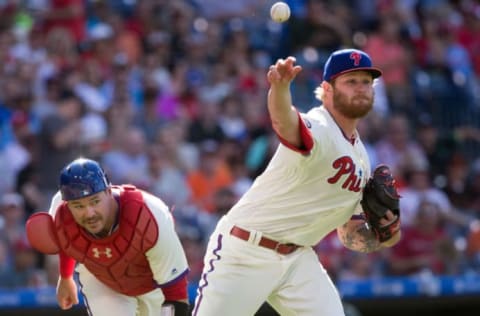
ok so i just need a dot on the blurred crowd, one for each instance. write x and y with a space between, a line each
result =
171 96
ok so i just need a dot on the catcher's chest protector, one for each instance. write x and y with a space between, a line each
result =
119 260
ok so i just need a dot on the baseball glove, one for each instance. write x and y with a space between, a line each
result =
379 196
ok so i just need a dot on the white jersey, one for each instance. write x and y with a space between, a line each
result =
301 197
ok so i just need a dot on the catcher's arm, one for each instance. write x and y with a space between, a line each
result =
66 293
357 235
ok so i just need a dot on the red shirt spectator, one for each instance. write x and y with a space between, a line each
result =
68 14
424 246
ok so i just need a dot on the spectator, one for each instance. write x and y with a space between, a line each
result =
194 250
457 174
366 129
206 126
425 245
128 163
358 267
468 31
321 28
61 53
48 98
437 86
28 185
439 147
166 180
397 148
127 41
59 141
13 214
119 119
172 138
65 14
447 153
50 266
17 153
473 245
5 260
473 188
259 153
148 117
223 200
419 188
211 175
223 11
307 80
220 88
389 53
25 272
231 118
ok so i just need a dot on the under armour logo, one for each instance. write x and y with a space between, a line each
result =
307 123
107 252
356 58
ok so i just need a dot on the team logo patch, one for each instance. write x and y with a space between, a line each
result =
104 253
307 123
356 58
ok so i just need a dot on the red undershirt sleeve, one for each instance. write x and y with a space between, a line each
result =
177 290
66 265
305 135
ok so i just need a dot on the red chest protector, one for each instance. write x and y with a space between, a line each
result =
119 260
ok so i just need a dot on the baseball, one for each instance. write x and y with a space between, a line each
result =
280 12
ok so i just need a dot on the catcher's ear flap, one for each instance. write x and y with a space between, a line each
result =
41 234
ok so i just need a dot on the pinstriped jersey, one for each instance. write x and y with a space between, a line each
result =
302 196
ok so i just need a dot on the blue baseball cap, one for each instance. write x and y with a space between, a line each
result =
347 60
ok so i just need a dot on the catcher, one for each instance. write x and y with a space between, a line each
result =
130 259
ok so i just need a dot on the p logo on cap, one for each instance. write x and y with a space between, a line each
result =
347 60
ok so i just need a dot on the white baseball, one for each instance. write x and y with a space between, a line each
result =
280 12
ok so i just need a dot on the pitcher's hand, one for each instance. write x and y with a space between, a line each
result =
283 72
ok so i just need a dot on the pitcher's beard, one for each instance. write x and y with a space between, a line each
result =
355 108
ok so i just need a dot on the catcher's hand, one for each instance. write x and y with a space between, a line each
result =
379 197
